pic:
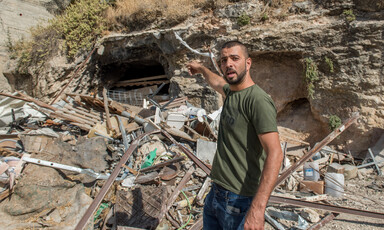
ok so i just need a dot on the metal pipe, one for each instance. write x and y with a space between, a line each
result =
332 208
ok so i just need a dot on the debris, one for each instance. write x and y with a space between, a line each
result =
135 168
350 171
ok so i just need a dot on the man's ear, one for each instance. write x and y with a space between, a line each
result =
249 63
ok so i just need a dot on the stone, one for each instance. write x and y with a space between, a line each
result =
335 168
310 215
91 153
43 191
350 171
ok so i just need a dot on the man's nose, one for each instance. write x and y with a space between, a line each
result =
229 63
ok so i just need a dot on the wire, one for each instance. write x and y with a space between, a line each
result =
190 213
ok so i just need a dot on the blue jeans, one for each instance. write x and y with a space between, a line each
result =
224 209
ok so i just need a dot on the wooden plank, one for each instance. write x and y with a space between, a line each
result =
202 191
87 114
142 79
144 83
198 225
73 113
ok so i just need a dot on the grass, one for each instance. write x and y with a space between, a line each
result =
330 64
129 15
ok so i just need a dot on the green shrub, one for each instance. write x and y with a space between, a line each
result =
311 75
330 64
349 15
81 24
243 19
334 122
76 29
265 17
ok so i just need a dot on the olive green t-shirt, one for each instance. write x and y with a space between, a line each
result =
239 158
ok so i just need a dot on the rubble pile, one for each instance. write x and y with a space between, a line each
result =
95 163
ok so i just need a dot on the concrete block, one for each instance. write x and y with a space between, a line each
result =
314 186
350 171
335 168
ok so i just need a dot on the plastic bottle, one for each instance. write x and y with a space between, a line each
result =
311 171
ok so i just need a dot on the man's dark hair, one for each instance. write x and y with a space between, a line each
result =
233 43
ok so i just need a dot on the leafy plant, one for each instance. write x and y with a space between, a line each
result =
349 15
330 64
81 24
311 75
243 19
76 29
334 122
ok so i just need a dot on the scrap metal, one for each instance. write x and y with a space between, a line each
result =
332 208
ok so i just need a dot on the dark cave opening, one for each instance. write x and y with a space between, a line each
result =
131 82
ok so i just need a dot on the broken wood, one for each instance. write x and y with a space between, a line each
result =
151 177
109 125
176 192
74 75
121 83
198 225
172 220
202 191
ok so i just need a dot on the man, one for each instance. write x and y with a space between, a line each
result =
248 157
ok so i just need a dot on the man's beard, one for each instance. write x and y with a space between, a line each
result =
238 80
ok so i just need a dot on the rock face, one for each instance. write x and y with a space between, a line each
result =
16 18
348 54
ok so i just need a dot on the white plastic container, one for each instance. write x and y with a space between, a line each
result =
334 184
311 171
176 120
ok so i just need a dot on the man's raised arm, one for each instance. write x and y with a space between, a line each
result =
214 80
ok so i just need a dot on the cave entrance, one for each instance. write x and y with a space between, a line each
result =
131 82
